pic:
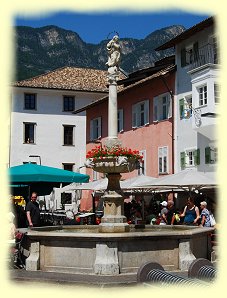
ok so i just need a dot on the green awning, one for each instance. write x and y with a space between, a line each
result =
26 173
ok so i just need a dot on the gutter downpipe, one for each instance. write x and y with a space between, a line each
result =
173 119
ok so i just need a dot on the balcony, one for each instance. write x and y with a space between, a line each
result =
204 74
207 54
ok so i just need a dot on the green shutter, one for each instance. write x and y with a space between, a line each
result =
196 154
207 155
182 159
181 107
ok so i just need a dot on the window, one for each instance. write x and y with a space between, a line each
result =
68 166
140 113
202 95
142 168
190 158
68 134
95 128
189 54
185 107
68 103
29 133
216 93
163 160
29 101
162 107
66 198
211 155
120 124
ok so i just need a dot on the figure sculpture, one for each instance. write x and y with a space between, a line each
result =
114 51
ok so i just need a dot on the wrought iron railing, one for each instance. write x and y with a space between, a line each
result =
205 55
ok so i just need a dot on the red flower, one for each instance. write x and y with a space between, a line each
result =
101 152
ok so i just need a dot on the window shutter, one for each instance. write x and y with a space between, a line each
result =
134 120
207 155
196 154
155 109
181 107
99 127
146 115
182 159
183 57
169 98
195 51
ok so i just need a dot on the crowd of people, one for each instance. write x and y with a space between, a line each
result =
163 214
167 214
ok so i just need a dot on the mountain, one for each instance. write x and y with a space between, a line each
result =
39 50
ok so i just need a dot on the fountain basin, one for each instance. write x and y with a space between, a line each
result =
73 249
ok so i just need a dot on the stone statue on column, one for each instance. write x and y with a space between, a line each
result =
114 54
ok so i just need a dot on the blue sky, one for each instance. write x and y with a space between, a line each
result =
94 27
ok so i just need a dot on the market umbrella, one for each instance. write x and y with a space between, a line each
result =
96 185
42 178
189 179
133 182
101 184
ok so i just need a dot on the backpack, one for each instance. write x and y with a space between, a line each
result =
212 220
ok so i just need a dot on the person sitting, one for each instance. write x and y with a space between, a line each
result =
191 213
12 227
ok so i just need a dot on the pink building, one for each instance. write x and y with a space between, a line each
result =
145 119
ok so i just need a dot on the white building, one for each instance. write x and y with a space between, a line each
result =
43 128
197 96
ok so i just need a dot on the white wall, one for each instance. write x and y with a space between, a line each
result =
186 137
50 118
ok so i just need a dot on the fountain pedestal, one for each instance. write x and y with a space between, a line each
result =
113 219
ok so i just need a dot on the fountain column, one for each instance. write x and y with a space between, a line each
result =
113 219
112 139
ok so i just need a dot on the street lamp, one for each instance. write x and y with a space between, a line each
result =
40 165
36 156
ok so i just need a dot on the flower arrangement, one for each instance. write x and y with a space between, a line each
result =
101 152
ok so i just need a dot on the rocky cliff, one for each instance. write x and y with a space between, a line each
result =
39 50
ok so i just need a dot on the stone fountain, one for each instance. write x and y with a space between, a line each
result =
114 247
113 219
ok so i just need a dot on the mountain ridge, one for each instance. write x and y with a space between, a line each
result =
39 50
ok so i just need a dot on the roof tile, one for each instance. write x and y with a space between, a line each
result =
69 78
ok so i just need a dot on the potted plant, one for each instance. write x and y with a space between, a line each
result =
114 159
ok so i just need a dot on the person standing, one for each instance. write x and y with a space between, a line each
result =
33 212
170 217
190 213
163 213
205 215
